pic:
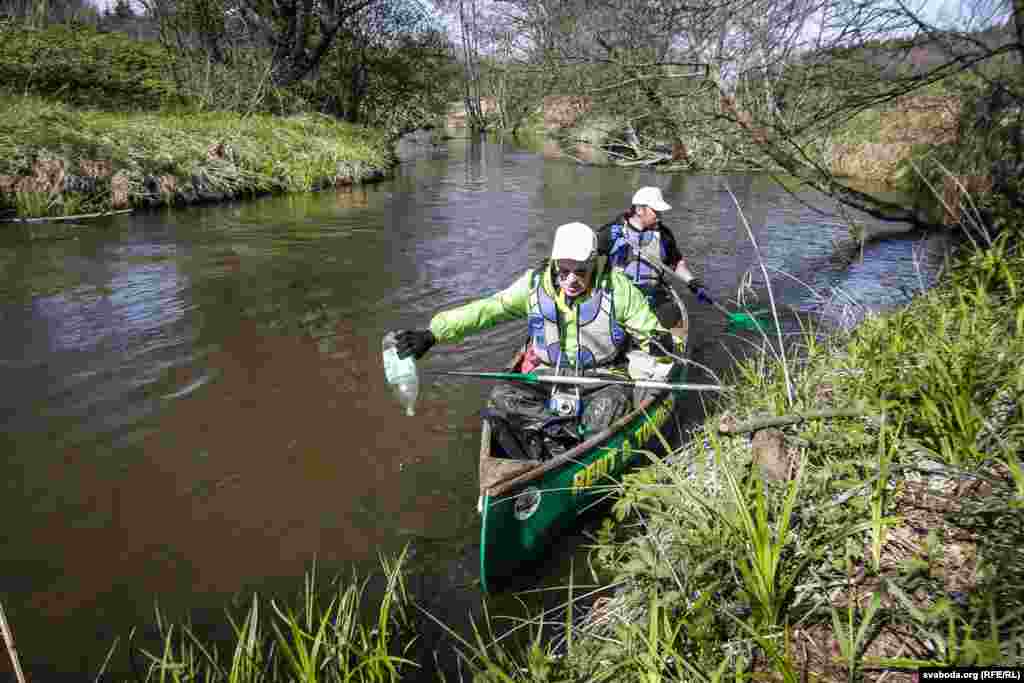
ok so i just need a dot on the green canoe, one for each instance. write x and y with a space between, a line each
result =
524 504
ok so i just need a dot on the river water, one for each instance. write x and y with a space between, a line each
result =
193 404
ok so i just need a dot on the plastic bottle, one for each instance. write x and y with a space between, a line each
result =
401 375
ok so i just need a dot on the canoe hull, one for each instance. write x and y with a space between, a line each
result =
521 517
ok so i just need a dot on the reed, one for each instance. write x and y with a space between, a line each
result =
771 296
850 636
880 523
322 639
12 651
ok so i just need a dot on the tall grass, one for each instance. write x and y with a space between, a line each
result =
251 154
325 638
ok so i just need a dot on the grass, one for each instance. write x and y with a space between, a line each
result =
167 157
324 638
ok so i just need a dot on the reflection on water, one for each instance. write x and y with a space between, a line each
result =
194 404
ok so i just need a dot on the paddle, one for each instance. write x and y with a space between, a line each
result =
533 378
741 320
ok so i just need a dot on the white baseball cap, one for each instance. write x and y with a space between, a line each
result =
574 241
650 196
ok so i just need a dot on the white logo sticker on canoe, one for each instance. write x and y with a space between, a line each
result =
527 503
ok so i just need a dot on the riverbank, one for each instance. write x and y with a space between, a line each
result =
56 160
872 147
853 511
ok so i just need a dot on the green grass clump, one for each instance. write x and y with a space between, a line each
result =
255 154
324 639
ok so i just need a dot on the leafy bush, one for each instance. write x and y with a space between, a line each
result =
82 66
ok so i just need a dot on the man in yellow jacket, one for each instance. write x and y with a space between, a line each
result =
581 315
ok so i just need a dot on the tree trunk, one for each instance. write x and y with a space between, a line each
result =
474 110
1018 24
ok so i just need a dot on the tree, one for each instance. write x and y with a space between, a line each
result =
299 31
389 66
123 10
39 12
777 76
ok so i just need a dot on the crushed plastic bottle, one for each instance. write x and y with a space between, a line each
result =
401 375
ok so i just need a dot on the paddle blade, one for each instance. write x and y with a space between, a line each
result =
752 323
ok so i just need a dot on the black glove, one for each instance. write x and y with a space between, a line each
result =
414 342
697 287
662 344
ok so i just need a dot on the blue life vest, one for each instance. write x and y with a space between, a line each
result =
627 245
600 338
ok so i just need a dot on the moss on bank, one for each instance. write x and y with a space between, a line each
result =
56 160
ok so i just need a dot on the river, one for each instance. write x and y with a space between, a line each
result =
193 403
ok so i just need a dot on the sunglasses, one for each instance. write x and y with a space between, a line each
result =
580 272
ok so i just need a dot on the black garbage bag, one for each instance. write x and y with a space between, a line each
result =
604 407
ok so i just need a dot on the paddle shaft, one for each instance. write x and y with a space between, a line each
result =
642 383
678 279
581 381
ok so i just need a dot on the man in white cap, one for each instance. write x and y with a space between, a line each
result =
581 314
638 237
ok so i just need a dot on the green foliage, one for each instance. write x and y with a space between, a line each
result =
79 65
852 636
945 364
409 86
391 69
218 65
396 79
531 659
312 643
766 582
261 153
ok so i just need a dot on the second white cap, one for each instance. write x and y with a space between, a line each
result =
650 196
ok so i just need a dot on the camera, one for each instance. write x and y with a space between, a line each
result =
564 405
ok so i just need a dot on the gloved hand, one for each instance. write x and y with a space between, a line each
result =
697 287
415 342
662 344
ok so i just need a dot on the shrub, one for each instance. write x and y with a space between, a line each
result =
84 67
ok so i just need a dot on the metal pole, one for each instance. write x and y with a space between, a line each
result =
9 641
642 383
569 379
